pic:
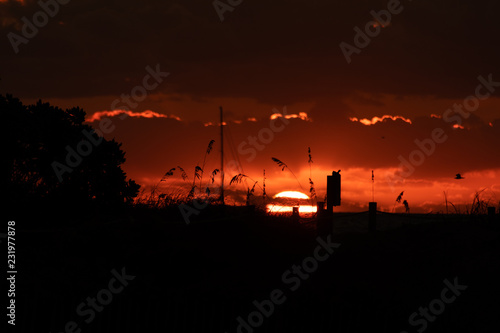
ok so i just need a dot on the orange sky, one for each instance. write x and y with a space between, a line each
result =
154 145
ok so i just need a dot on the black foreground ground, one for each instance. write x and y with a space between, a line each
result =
201 277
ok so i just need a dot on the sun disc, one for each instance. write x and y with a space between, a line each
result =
292 195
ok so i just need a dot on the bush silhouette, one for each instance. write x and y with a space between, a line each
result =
37 138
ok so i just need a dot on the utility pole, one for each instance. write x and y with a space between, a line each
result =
373 187
222 155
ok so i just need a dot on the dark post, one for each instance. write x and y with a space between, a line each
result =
221 156
321 208
295 214
324 221
372 217
332 191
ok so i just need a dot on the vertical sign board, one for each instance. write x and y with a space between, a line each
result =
332 191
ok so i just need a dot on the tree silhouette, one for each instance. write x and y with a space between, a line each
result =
35 170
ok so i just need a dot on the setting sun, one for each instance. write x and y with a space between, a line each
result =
292 195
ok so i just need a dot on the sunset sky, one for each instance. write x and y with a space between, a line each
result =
431 74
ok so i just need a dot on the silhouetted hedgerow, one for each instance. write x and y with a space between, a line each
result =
35 169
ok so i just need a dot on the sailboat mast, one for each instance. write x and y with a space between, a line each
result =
222 155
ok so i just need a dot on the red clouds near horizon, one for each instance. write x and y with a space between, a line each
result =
154 145
144 114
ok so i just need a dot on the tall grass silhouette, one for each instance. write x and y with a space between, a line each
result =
237 179
283 167
209 149
264 188
407 206
178 196
312 190
398 201
479 205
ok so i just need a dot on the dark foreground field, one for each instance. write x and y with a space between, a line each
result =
201 277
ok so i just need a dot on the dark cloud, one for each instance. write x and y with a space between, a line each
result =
270 51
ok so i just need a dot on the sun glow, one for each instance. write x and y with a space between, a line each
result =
289 209
292 195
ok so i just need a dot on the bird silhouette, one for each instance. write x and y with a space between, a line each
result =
459 176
